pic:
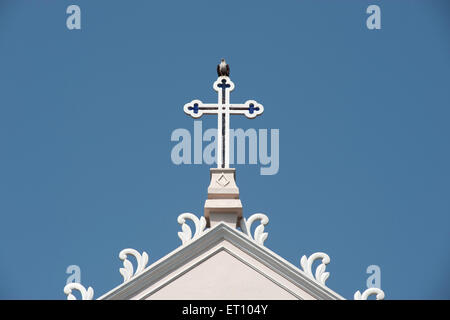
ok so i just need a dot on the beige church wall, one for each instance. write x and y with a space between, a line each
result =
223 272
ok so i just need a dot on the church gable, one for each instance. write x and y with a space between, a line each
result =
223 263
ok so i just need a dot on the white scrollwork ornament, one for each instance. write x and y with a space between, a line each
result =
259 236
127 271
85 294
320 275
368 292
186 234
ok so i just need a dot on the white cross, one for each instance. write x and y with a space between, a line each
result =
223 85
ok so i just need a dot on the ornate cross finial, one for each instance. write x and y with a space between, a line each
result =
223 85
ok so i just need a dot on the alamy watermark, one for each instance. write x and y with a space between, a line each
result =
374 280
373 22
74 272
251 142
73 21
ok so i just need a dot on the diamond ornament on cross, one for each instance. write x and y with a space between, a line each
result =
196 108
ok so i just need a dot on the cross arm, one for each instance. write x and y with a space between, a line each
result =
251 109
196 108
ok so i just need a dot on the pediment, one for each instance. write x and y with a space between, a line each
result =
223 263
222 274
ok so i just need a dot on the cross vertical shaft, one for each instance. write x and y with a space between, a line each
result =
224 123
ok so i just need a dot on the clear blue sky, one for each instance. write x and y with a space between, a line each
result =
86 118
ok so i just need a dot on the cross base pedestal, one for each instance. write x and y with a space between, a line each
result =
223 203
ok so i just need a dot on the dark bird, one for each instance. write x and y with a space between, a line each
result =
223 69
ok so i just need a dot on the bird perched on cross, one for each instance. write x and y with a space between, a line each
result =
223 69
